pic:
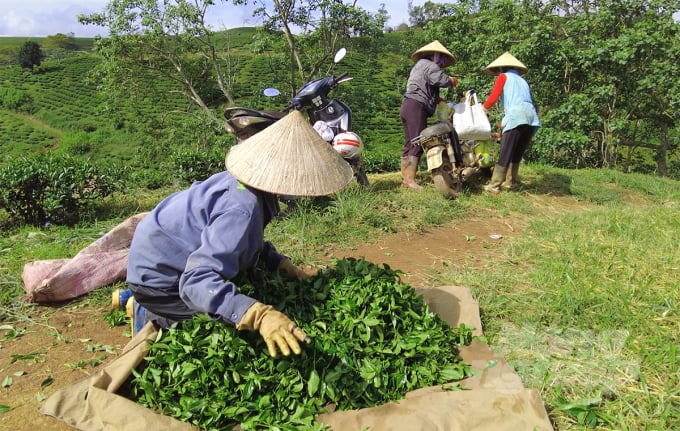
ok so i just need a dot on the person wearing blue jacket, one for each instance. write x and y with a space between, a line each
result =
520 121
186 252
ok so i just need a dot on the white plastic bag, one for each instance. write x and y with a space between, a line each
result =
470 120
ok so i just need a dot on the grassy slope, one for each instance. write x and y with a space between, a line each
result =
583 303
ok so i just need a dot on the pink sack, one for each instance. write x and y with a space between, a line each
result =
99 264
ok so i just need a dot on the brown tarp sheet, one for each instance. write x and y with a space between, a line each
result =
493 400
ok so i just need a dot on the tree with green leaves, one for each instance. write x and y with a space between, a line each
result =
171 40
163 41
61 41
30 55
322 27
429 11
601 72
60 45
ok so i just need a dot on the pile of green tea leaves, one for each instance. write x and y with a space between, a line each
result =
373 340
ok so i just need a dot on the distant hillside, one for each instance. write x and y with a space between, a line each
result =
15 42
68 113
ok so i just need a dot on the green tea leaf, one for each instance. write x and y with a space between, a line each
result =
45 383
7 382
374 339
313 383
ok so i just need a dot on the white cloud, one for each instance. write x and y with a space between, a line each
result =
44 18
13 20
48 17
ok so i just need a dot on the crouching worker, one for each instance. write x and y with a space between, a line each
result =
186 251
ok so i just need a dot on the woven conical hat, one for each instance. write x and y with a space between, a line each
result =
431 48
289 158
505 60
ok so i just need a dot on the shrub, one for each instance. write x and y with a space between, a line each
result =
76 143
150 178
193 164
564 148
54 189
16 100
382 161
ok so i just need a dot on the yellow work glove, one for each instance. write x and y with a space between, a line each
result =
275 327
291 271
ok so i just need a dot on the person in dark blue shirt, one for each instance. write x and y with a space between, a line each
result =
185 253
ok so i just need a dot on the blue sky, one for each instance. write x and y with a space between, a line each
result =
48 17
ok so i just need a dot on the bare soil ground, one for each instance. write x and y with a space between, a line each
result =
63 344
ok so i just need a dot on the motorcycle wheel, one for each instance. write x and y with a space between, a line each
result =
446 181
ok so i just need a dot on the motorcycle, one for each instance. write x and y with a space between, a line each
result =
332 118
452 162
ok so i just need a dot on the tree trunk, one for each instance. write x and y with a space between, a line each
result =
661 153
290 38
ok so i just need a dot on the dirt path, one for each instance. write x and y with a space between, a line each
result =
468 243
63 345
54 349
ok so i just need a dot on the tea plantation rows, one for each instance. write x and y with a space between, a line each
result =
67 113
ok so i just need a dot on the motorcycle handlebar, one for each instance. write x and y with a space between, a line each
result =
342 75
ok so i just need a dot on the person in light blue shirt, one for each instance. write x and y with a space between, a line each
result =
520 121
186 252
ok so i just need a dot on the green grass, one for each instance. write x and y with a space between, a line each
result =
584 304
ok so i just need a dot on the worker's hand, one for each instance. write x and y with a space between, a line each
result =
291 271
277 330
454 81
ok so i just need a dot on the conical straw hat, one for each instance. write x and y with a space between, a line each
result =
433 47
505 60
289 158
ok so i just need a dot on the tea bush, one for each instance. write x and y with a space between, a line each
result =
54 189
382 161
16 100
194 164
77 143
374 339
151 178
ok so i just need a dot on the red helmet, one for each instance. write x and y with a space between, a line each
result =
348 145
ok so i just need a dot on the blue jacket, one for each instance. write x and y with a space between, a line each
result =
200 238
518 105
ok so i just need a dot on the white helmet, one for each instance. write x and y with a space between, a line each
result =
348 144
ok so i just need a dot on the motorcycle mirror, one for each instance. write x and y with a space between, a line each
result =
340 55
271 92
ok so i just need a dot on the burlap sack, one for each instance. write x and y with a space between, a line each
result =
99 264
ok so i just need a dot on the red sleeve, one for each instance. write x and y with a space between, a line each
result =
495 92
